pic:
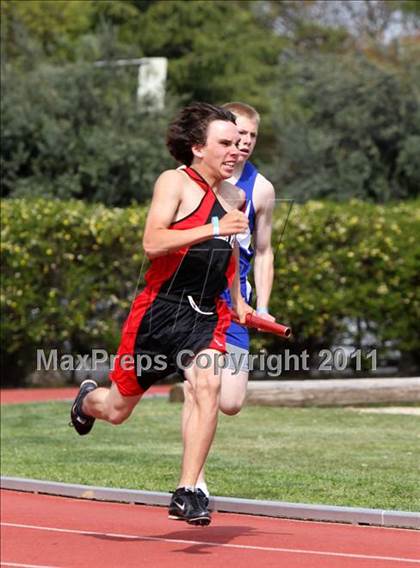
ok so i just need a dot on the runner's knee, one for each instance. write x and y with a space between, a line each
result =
232 403
118 417
117 414
233 392
230 407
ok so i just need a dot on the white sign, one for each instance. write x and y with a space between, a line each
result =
151 82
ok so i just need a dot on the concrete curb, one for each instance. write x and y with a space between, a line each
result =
354 515
325 392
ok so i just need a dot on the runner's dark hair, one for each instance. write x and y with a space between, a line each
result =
189 128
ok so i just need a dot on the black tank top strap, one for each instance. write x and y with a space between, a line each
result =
198 178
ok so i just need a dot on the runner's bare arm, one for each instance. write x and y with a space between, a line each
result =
263 263
158 239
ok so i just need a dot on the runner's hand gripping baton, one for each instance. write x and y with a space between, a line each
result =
257 322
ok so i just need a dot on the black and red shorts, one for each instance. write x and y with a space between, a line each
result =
162 330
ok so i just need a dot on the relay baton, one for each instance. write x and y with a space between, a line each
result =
257 322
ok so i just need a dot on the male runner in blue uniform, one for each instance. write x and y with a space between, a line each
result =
255 243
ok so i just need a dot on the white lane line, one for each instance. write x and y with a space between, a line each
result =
14 564
218 544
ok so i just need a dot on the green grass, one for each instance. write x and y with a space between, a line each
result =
307 455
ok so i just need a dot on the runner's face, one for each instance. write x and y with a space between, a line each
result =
248 131
220 154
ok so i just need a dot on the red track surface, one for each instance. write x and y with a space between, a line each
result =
17 396
41 530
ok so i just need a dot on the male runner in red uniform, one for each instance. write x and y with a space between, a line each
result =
189 238
260 200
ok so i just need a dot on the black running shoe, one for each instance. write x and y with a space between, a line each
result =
203 499
186 506
79 420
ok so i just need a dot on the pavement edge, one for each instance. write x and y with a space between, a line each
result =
298 511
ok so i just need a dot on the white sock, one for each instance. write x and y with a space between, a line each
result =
203 486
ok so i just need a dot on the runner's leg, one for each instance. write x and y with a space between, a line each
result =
233 391
109 404
199 425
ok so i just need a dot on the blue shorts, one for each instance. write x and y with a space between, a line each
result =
237 335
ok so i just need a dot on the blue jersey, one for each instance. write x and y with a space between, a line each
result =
236 334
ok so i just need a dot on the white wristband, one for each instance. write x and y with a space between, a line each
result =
262 310
215 223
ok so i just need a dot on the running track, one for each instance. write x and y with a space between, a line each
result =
46 531
19 396
42 531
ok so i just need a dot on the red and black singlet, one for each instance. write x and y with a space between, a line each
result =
203 270
180 308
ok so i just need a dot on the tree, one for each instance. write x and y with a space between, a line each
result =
79 133
66 30
43 27
217 51
331 25
347 127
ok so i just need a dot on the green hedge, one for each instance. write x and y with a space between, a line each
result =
70 271
353 260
